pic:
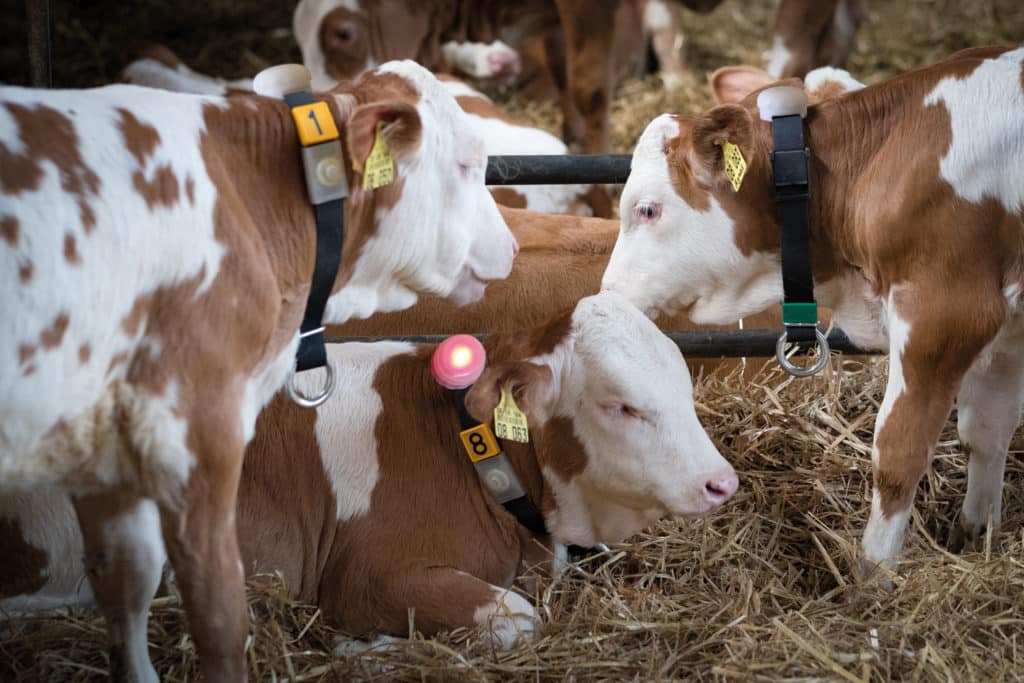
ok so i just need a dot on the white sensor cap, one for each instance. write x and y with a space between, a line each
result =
782 100
278 81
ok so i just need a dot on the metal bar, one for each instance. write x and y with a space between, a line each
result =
694 344
39 64
557 169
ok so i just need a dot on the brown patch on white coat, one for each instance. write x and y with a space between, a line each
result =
917 246
369 507
561 261
188 361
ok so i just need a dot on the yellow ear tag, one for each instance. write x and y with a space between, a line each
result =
509 421
380 167
735 165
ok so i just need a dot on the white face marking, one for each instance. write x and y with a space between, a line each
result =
167 244
445 234
306 28
777 57
500 137
480 60
345 425
627 390
683 256
986 110
510 619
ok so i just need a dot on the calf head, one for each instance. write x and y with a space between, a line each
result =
435 228
688 241
613 427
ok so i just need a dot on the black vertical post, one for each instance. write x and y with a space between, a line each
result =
40 71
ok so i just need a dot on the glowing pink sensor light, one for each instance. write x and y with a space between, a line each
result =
458 361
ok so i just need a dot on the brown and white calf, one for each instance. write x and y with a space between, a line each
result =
158 67
561 261
917 231
157 250
370 507
812 33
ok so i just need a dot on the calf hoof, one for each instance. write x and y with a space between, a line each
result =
878 574
968 538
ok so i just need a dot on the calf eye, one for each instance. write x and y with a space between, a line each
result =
647 212
622 410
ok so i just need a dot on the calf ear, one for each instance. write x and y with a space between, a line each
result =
402 129
725 123
731 84
529 384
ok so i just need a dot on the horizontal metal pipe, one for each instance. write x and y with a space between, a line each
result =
557 169
695 344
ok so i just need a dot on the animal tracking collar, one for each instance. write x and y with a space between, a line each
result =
327 186
456 364
785 107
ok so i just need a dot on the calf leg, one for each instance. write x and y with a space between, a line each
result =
202 544
667 39
926 365
988 411
124 559
444 598
589 36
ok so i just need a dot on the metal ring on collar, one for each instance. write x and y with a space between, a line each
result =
312 402
795 370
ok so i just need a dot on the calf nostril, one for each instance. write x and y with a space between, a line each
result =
515 247
720 489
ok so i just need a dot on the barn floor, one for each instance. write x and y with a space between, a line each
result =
764 590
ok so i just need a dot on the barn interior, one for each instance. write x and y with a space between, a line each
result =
766 588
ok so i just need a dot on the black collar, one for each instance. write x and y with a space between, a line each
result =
518 503
327 187
791 173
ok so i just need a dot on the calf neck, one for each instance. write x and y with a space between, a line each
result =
157 250
917 232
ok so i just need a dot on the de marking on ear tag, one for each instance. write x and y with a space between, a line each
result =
380 167
509 420
735 165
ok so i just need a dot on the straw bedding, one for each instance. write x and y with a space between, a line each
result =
767 588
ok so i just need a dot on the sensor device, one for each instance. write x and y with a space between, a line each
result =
458 361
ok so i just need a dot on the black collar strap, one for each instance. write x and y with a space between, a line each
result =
499 477
785 107
790 168
327 186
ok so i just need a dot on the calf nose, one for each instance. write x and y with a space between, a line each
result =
515 247
720 487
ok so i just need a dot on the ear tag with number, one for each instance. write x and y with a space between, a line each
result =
509 421
380 167
735 165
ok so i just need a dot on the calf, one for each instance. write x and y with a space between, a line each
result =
157 250
158 67
812 33
562 260
370 507
917 216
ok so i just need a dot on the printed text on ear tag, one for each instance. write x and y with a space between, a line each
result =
380 167
735 165
509 421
